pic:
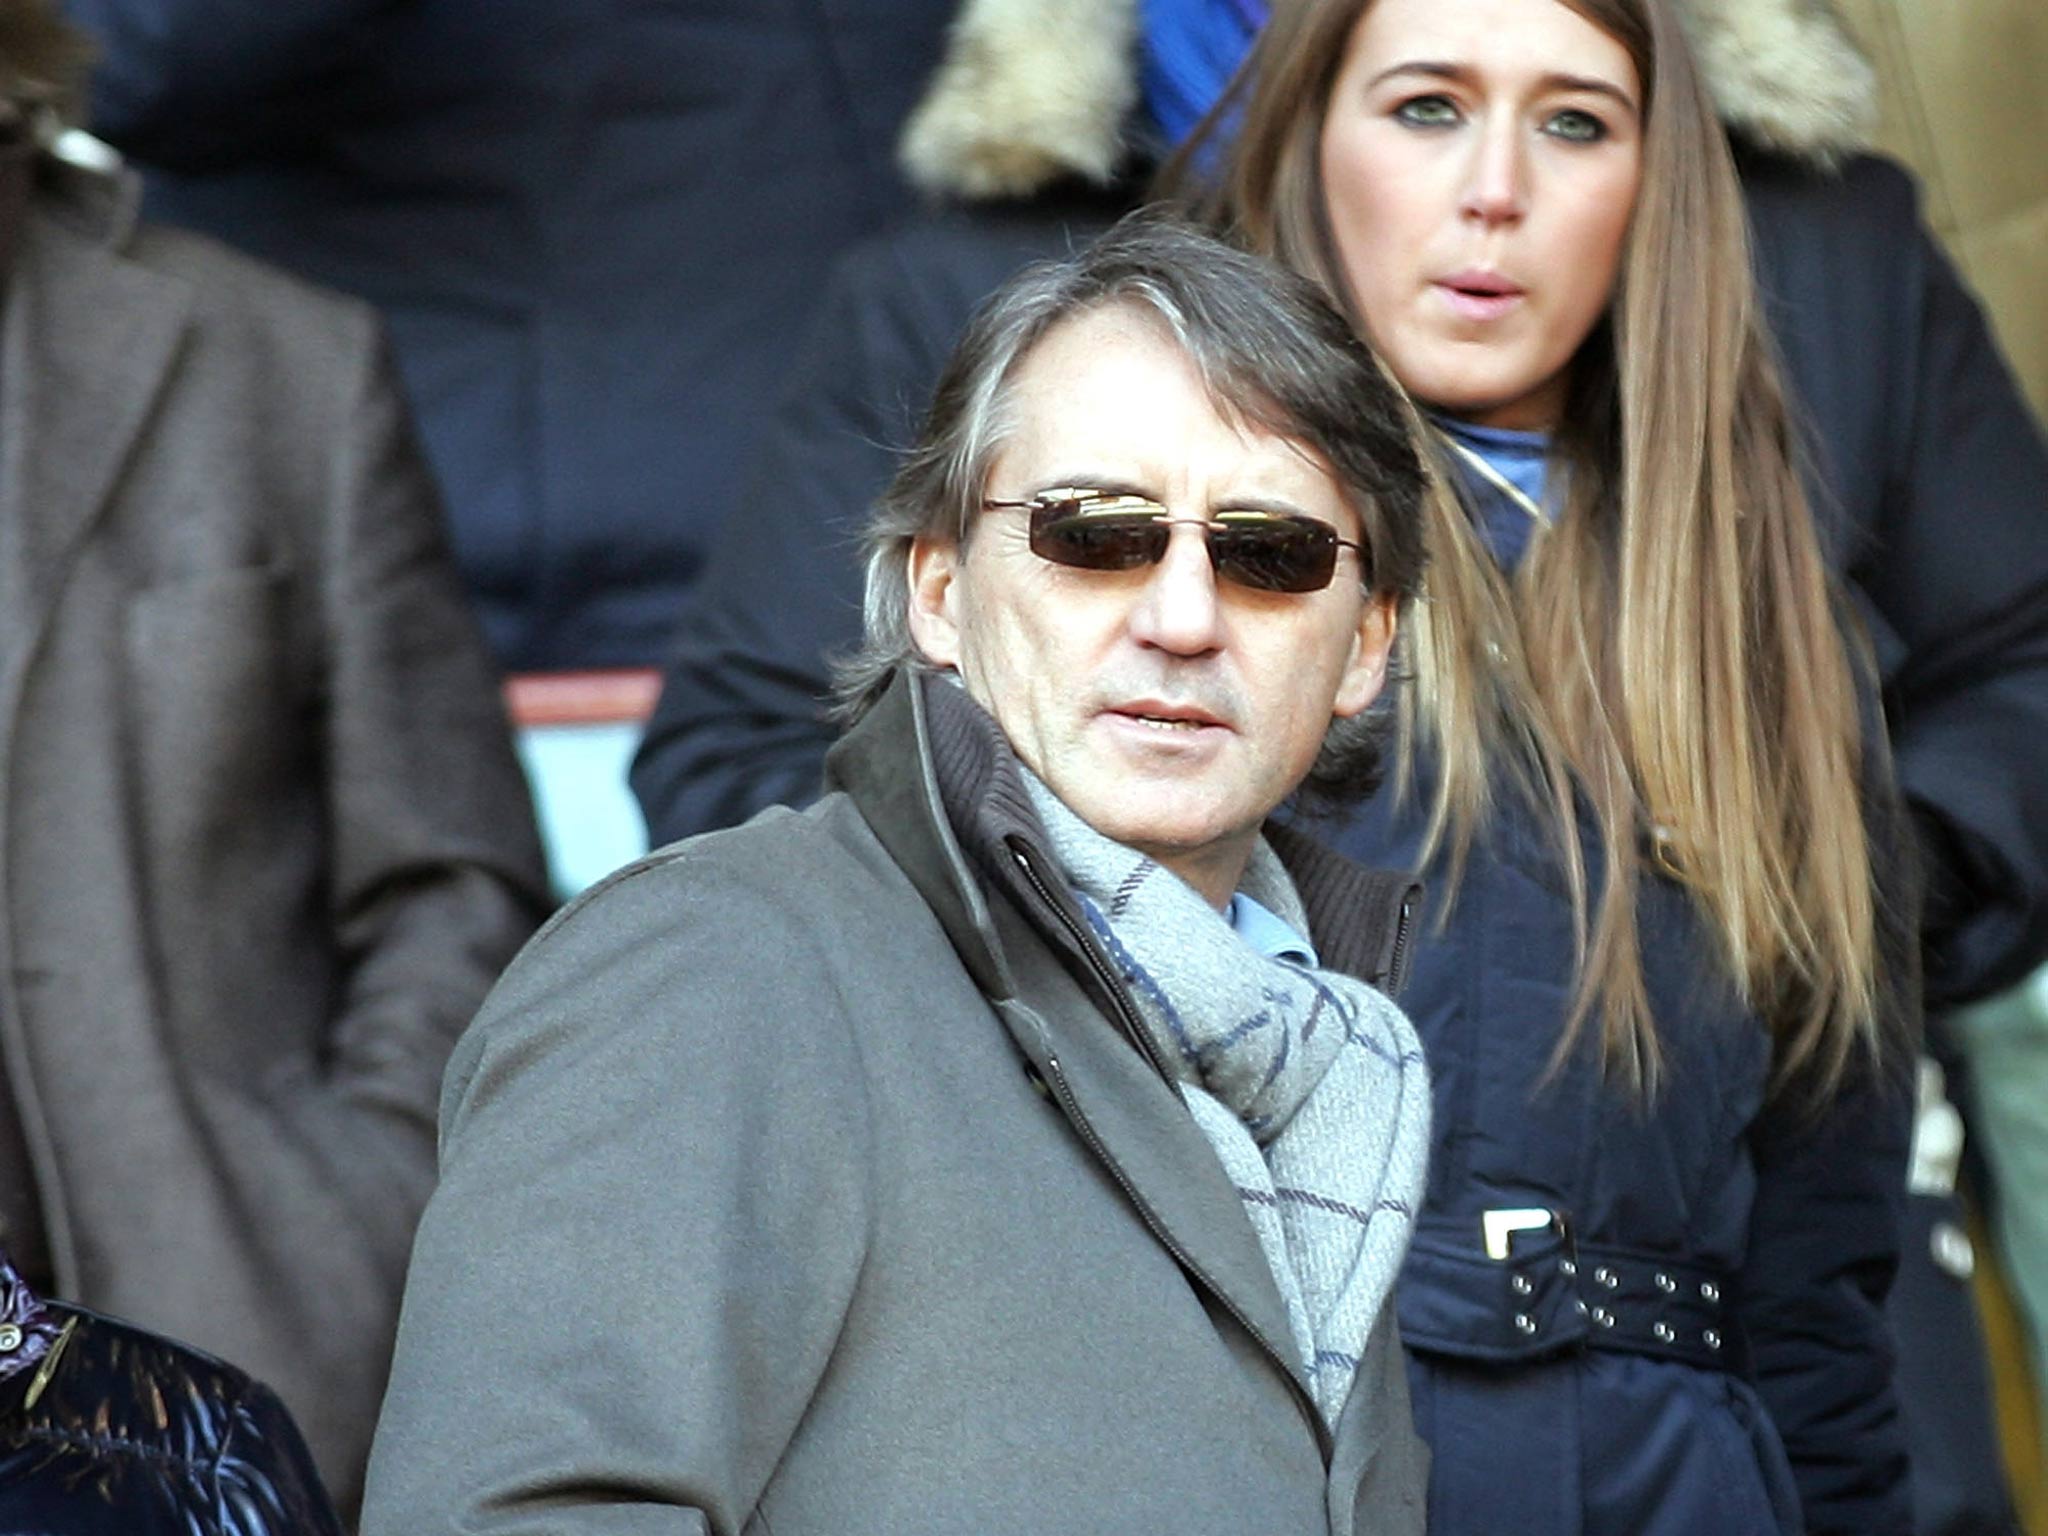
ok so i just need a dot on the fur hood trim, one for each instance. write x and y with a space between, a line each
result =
1030 91
1785 75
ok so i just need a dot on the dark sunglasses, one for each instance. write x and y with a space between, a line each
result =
1105 531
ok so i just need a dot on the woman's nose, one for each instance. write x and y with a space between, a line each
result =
1496 180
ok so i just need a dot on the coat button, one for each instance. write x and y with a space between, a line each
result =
1663 1331
10 1338
1712 1337
1603 1317
1665 1283
1607 1277
1709 1291
1521 1285
1525 1322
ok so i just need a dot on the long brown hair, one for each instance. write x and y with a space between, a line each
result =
1672 650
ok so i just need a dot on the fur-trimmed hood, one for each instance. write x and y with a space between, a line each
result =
1033 90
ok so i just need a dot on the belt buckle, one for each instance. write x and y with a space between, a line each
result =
1498 1227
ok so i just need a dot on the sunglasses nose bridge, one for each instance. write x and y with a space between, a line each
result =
1179 607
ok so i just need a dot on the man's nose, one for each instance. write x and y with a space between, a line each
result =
1497 176
1178 610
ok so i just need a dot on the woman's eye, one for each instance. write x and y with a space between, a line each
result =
1426 112
1576 127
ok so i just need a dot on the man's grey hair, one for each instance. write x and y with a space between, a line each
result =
1270 350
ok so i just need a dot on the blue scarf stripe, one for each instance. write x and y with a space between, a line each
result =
1137 976
1290 1195
1243 1030
1315 1012
1121 897
1346 1012
1316 1202
1279 1062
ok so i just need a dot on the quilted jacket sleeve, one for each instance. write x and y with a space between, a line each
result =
1955 569
1932 485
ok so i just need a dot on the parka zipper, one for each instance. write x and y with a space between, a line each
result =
1397 962
1063 1094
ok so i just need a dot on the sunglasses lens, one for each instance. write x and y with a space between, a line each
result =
1065 534
1274 554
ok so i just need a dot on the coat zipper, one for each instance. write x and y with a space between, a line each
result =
1126 1014
1063 1093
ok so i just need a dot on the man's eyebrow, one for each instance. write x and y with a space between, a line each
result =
1094 485
1270 506
1117 485
1438 69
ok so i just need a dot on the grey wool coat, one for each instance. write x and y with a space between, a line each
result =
263 844
797 1180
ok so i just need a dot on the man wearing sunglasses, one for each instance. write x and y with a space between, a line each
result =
1018 1139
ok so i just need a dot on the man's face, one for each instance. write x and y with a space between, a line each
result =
1170 708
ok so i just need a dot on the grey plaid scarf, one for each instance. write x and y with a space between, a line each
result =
1309 1084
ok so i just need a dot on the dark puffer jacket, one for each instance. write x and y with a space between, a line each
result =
106 1430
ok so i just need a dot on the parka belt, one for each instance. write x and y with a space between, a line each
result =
1548 1294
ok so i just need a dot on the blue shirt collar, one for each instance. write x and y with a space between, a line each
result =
1267 932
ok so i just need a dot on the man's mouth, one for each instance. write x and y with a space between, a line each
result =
1166 717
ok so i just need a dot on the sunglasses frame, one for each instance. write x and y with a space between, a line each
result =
1046 504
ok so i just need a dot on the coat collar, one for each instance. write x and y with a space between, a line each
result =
86 344
940 789
936 783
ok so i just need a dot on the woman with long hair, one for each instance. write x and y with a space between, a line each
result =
1673 969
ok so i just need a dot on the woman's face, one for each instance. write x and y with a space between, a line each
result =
1480 161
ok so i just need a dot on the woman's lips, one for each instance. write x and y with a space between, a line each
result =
1478 296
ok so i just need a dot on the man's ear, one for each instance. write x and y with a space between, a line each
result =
1370 648
934 563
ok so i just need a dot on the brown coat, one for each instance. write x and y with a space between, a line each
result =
263 844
